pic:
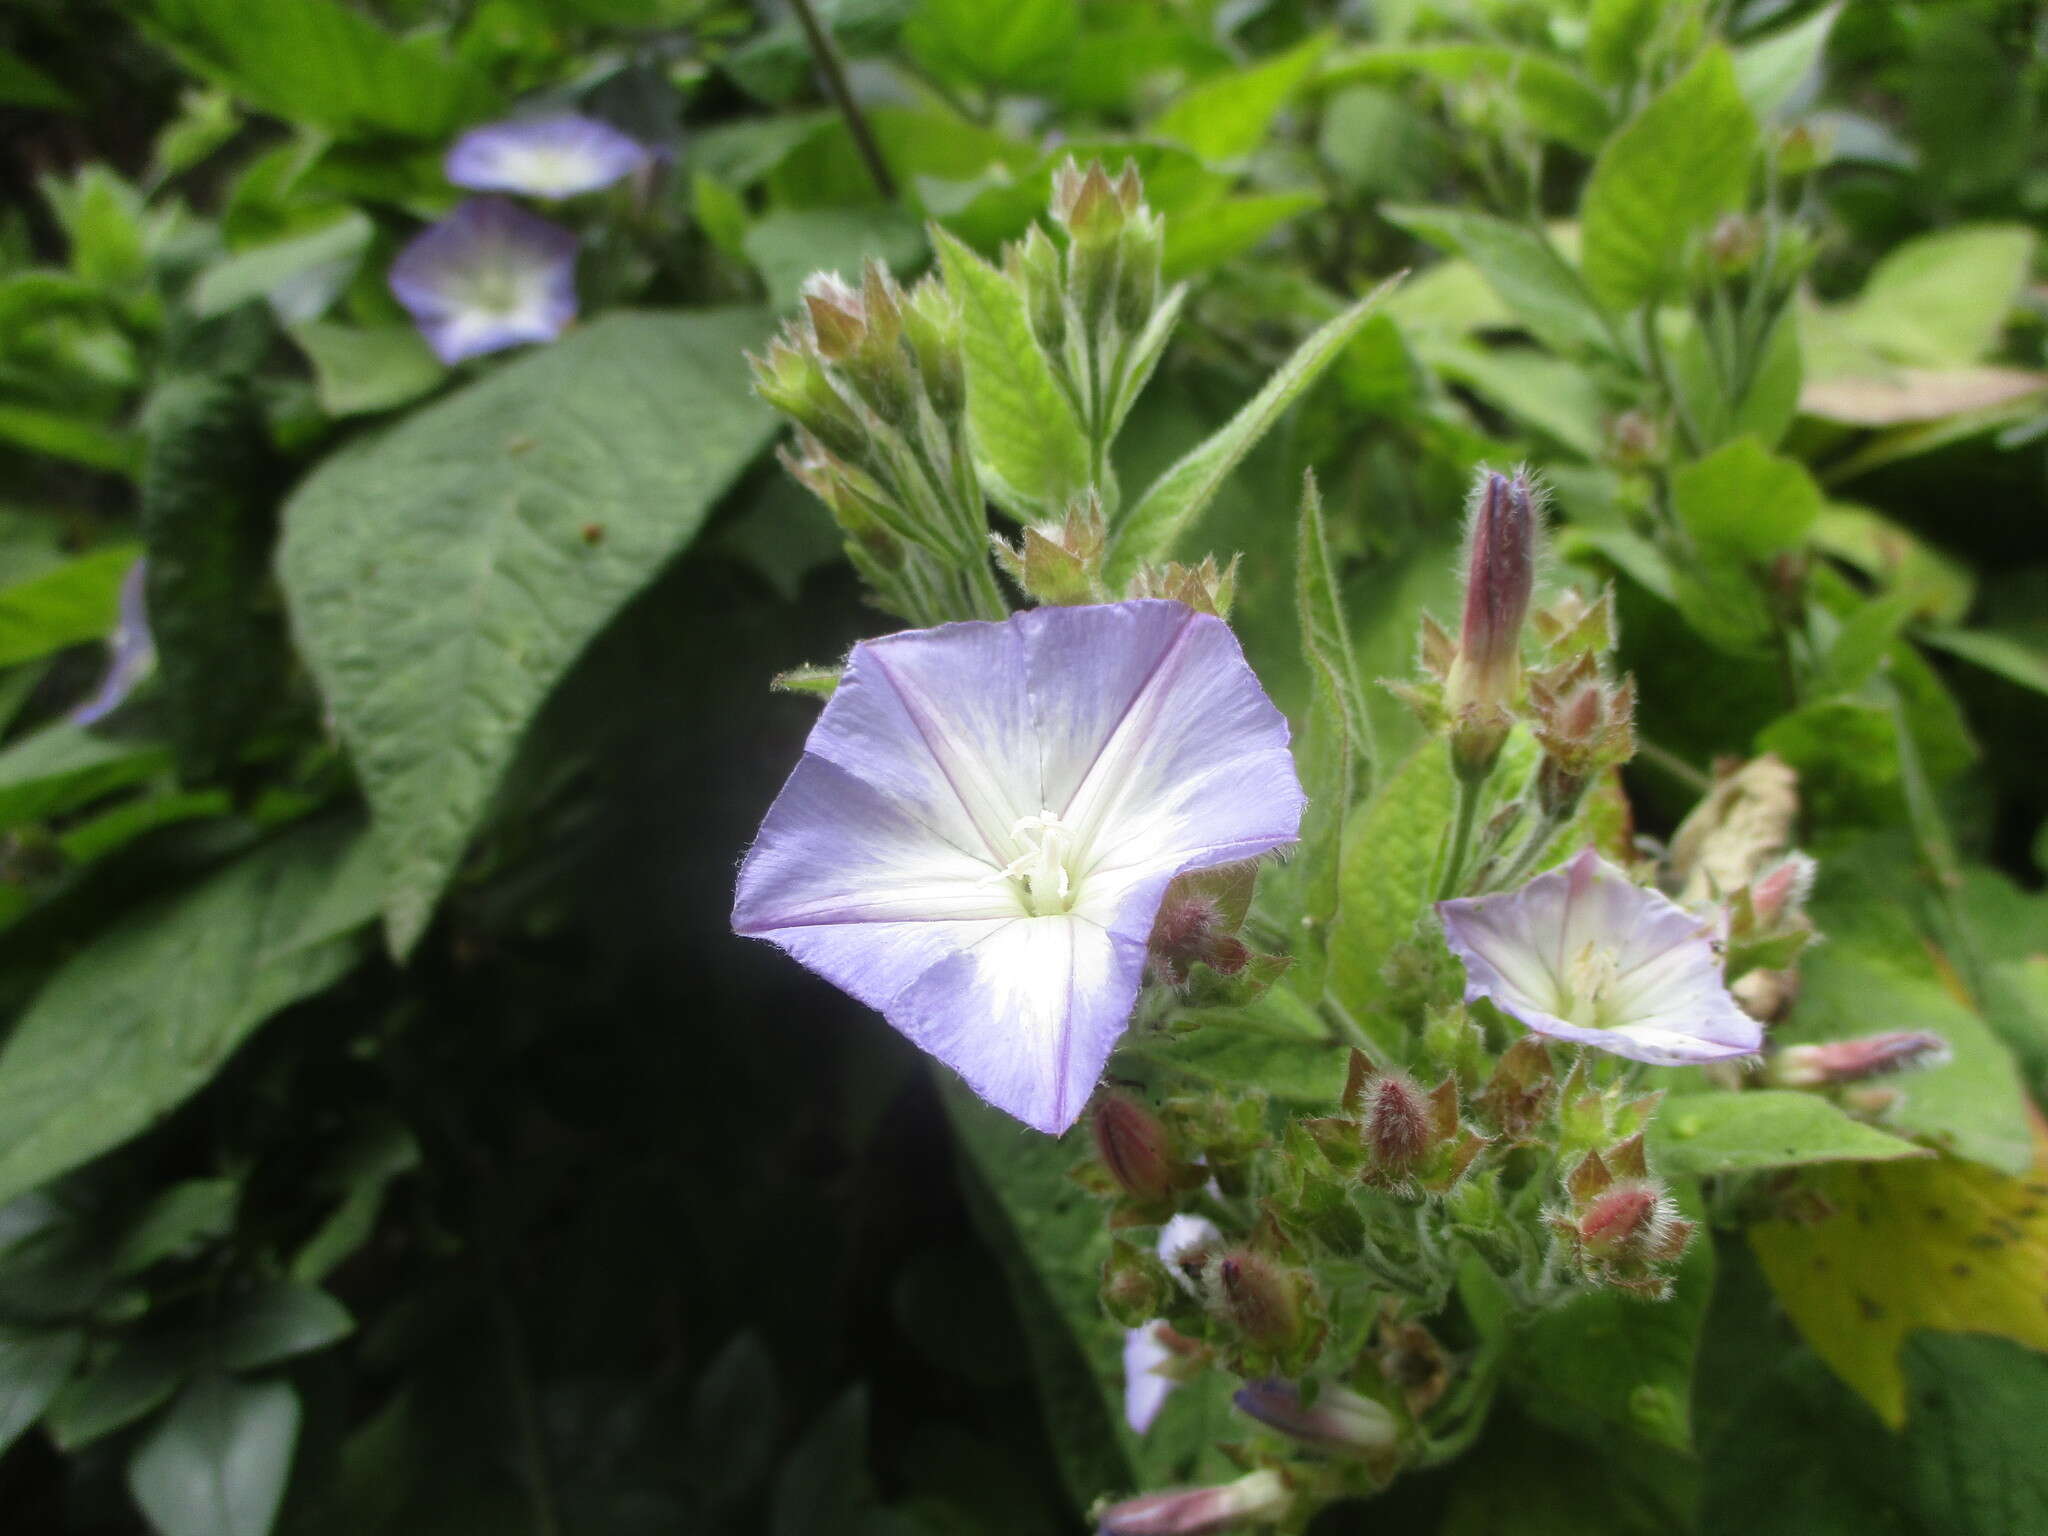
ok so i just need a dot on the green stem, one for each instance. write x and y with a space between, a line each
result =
1456 848
842 97
1675 766
1660 370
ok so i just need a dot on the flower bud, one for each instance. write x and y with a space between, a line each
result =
1033 264
1500 575
1852 1061
933 326
1206 588
1139 250
1134 1147
1778 895
1633 1221
837 320
1517 1097
1259 1498
1260 1298
1733 244
792 379
1338 1421
1060 563
1135 1287
1399 1127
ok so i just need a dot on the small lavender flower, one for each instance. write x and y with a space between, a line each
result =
1583 953
1339 1421
986 817
1146 1385
555 156
131 651
487 277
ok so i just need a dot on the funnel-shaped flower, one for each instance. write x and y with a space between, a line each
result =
487 277
1583 953
131 651
986 816
555 156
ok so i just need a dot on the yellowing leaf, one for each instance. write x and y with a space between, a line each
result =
1937 1243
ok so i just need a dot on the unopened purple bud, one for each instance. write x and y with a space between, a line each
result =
1398 1128
1134 1147
1500 574
1782 890
1259 1297
1259 1498
1851 1061
1338 1421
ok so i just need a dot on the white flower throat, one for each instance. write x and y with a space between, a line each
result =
1040 872
1588 984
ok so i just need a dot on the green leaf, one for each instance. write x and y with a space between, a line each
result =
23 85
34 1365
207 479
1178 497
1554 99
138 1379
74 603
189 1212
1021 45
324 65
824 1487
216 1464
360 369
1697 1134
1618 36
1206 236
735 1418
63 766
1941 300
1682 160
1549 394
1975 1409
1050 1239
2010 657
1746 501
1608 1360
1023 423
1336 748
276 1323
1773 71
144 1016
1229 114
300 274
443 576
73 438
1523 267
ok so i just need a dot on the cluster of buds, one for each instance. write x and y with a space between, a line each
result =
1060 563
1206 588
874 379
1200 919
1622 1227
1582 718
1396 1136
1095 303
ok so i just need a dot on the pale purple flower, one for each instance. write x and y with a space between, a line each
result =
131 651
1259 1498
1583 953
1146 1384
489 276
986 817
555 156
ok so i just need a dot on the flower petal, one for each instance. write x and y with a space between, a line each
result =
1145 1390
131 651
1028 1014
487 277
554 156
1667 1001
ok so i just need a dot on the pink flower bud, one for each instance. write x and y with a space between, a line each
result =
1398 1123
1337 1421
1259 1297
1782 890
1633 1220
1134 1147
1500 574
1850 1061
1260 1498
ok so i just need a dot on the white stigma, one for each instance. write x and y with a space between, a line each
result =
1040 867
